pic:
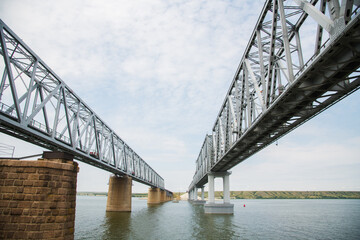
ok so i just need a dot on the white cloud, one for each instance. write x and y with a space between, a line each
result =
155 71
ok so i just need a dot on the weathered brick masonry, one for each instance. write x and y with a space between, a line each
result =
37 199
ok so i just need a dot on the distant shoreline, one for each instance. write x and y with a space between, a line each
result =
293 194
262 194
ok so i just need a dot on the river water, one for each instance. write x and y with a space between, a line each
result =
259 219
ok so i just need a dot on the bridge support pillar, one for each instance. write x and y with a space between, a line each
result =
119 194
226 188
38 197
211 193
193 194
154 196
162 196
197 201
168 197
226 207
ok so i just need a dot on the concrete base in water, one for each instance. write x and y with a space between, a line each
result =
119 195
198 202
224 208
154 196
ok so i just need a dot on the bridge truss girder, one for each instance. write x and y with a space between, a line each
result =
38 107
276 87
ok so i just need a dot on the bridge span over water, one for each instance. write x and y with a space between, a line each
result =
37 106
302 57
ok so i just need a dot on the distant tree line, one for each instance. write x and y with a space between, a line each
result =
292 195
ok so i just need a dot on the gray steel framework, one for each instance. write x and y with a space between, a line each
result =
38 107
276 87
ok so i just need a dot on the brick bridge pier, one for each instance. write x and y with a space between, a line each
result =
38 197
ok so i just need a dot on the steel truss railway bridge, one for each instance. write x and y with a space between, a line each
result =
38 107
280 84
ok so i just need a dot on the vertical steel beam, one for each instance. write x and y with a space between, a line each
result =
346 10
319 32
271 52
67 117
285 39
248 113
334 9
261 61
242 102
57 111
44 107
299 49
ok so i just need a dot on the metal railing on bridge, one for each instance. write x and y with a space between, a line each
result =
280 84
38 107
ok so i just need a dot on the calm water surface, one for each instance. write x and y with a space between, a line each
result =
260 219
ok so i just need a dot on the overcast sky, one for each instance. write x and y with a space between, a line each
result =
157 73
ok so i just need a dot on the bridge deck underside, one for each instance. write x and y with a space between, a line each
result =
326 81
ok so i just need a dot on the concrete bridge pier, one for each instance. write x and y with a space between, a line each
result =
197 201
119 194
214 208
193 194
190 195
157 196
162 195
169 196
154 196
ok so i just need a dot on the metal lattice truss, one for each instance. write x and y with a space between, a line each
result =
302 58
205 159
37 106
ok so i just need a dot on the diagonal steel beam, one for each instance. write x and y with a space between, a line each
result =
317 15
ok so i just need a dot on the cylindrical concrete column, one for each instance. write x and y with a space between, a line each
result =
153 196
211 188
119 194
162 196
202 193
195 193
226 187
38 198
